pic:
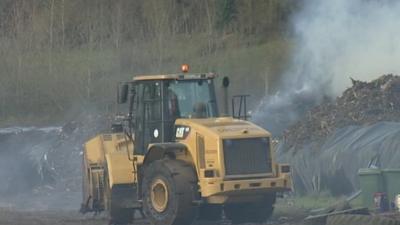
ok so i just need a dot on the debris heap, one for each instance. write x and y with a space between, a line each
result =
364 103
42 166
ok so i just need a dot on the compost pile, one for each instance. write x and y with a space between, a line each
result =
365 103
361 128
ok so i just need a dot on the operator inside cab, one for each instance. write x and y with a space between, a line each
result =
190 99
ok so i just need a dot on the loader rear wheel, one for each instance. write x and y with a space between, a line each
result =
257 212
169 188
85 188
118 215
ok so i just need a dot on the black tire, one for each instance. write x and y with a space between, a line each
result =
180 181
210 212
360 220
257 212
118 215
85 196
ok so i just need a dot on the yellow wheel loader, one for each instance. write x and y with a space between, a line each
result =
174 159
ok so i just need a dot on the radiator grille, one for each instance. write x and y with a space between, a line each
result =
247 156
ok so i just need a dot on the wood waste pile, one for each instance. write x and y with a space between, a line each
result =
364 103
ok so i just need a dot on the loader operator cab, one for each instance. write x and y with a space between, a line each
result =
155 102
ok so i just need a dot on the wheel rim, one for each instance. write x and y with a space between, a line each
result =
159 195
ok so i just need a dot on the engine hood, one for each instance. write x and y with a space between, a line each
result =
224 127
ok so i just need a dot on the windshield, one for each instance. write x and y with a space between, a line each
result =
191 99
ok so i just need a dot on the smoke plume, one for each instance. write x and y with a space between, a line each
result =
335 40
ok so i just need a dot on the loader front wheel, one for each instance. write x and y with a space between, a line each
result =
169 188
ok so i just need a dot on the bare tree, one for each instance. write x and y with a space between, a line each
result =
117 23
63 23
50 54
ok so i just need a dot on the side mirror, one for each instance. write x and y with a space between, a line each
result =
225 82
122 93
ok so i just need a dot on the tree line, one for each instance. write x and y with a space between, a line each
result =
63 55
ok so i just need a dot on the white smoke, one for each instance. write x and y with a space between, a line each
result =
336 40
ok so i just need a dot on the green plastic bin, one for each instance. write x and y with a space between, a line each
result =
391 178
371 181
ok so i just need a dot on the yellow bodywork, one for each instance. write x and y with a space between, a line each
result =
115 155
223 188
110 152
107 163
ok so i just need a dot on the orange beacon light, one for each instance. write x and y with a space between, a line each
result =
185 68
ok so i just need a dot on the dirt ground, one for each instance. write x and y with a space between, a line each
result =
16 217
42 210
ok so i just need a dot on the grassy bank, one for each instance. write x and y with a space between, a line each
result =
44 87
